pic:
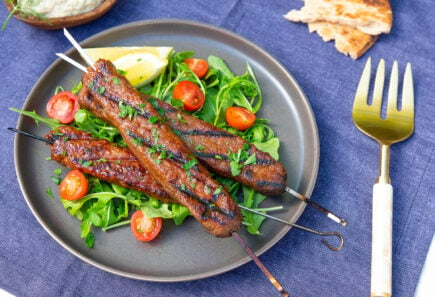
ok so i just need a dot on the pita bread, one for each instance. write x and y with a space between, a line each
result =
348 40
372 17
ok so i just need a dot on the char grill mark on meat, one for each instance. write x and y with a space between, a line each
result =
173 155
176 178
76 149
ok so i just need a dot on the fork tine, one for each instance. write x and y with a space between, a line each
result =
379 86
392 89
408 92
362 90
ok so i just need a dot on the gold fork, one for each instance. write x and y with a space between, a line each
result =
396 126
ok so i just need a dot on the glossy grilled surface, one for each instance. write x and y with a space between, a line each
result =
145 133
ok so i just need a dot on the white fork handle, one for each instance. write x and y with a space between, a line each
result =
382 240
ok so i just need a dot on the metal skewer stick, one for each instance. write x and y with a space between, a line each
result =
326 243
289 190
303 228
320 208
260 265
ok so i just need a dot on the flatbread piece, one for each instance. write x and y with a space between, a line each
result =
372 17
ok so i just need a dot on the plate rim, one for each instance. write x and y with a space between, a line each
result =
311 180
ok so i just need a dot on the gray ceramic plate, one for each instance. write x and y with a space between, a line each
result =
184 252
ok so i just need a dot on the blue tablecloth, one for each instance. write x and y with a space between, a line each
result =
33 264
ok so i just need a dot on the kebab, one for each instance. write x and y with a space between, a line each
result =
212 146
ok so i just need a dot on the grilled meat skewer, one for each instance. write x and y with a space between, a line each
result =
160 151
212 146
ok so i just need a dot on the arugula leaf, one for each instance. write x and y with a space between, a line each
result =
220 65
180 213
252 199
86 121
90 240
270 146
52 123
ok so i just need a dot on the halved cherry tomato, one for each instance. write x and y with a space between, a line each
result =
190 94
239 117
144 228
198 66
74 186
63 106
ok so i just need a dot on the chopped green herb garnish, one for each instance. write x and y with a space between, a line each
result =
240 159
190 164
56 179
153 119
137 141
122 72
155 134
49 192
180 118
86 163
218 191
77 87
163 155
126 110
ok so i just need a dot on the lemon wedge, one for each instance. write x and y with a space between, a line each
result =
140 65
